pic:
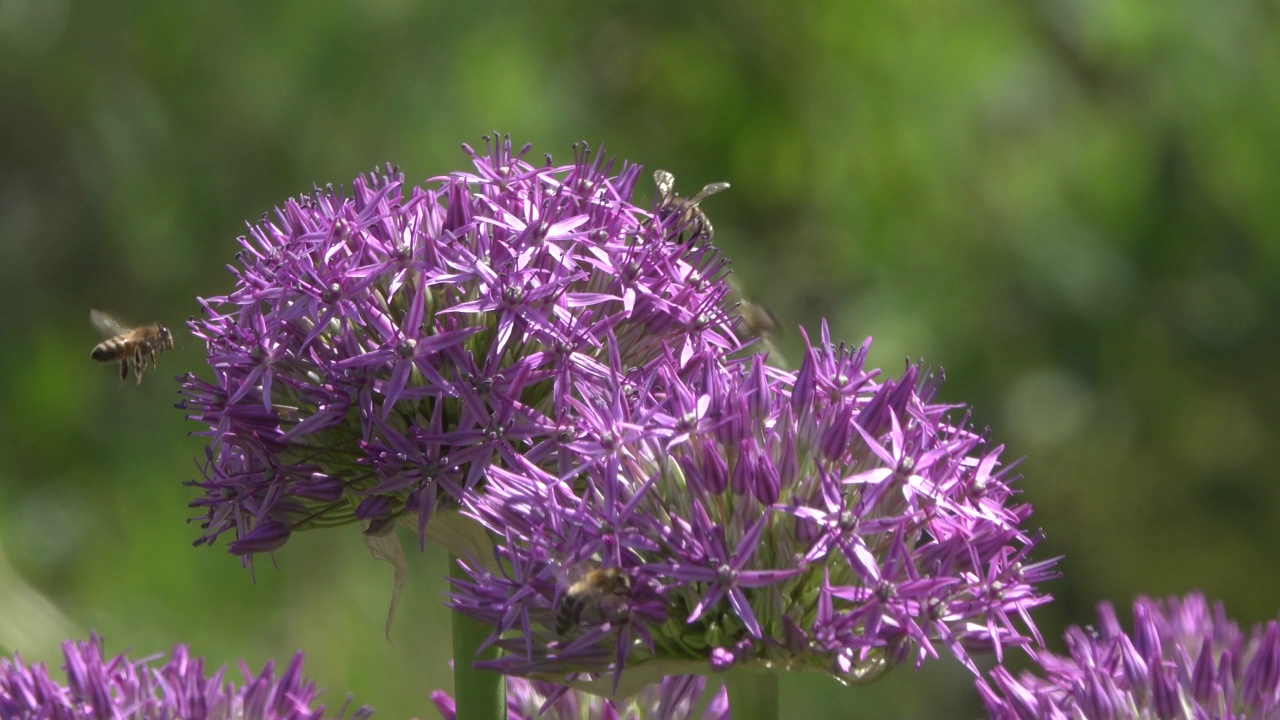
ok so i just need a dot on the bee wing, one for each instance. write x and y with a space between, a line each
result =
709 190
760 318
566 574
106 324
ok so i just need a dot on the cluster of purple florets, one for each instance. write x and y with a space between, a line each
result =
825 519
566 368
387 348
98 687
1184 659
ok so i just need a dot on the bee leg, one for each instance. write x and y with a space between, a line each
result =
139 364
124 370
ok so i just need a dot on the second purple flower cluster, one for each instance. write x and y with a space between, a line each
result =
827 519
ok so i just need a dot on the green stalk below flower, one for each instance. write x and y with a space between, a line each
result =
480 694
752 695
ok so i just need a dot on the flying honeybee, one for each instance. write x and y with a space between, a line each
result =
596 595
759 320
135 348
758 324
684 212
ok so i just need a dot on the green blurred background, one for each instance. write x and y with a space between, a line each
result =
1070 206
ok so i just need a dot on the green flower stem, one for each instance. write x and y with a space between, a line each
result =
479 694
752 695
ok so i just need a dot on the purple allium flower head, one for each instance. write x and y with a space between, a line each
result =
675 698
824 520
1185 659
385 348
178 690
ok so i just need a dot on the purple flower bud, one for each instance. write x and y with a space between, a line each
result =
1261 686
1136 670
1164 693
118 688
1202 675
268 536
385 347
722 659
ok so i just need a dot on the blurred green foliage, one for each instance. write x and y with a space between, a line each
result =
1068 205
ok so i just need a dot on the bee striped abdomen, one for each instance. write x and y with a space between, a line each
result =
108 350
567 614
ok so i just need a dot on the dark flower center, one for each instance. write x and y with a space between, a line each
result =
726 575
848 521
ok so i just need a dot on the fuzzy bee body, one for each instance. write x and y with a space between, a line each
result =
759 320
135 348
758 326
684 213
599 592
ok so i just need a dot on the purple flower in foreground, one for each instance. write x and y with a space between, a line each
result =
1184 660
675 698
820 520
385 349
178 690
